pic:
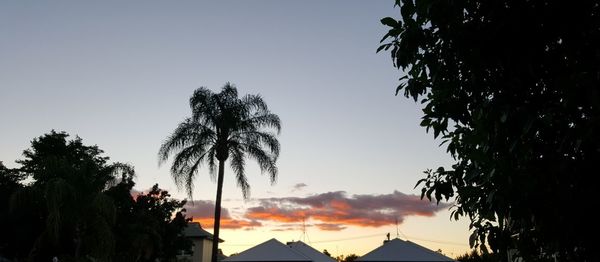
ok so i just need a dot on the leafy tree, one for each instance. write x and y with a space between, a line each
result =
9 183
475 256
348 258
77 206
512 88
68 180
146 229
222 127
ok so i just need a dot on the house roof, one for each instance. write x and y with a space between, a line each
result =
195 230
397 250
271 250
310 252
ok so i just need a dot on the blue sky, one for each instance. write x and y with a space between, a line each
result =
119 75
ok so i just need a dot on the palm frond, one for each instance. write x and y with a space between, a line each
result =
255 103
223 127
201 97
177 140
263 139
228 93
202 104
258 121
185 158
237 164
265 161
190 173
186 164
212 165
188 132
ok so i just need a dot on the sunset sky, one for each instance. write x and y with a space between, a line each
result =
119 74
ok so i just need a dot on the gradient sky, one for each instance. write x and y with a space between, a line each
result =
119 75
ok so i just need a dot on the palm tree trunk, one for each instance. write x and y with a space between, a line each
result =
217 223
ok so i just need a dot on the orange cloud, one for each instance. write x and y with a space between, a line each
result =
276 214
203 212
335 211
330 227
208 222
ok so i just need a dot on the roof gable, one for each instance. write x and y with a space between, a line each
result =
195 230
399 250
310 252
271 250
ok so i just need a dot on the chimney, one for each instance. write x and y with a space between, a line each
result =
388 239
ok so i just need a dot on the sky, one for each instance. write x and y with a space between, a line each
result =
119 75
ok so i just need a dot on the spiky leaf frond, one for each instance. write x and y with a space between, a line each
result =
223 127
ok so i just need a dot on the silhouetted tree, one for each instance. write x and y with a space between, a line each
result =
513 89
150 226
9 183
222 126
348 258
70 204
475 256
68 183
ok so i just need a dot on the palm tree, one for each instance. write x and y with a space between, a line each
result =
222 126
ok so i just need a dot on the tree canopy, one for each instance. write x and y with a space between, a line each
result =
67 200
512 89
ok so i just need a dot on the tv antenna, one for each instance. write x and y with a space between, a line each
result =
398 230
304 237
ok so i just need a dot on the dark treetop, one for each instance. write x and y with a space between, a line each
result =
513 90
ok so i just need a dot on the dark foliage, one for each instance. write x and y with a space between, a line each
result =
146 229
9 183
348 258
74 206
475 256
513 90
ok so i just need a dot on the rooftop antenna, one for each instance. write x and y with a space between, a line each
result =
398 230
304 237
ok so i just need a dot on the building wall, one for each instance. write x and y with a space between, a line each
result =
197 250
207 250
201 251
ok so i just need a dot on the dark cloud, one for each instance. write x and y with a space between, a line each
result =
335 210
298 187
203 212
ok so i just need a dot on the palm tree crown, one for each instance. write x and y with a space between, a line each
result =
222 126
